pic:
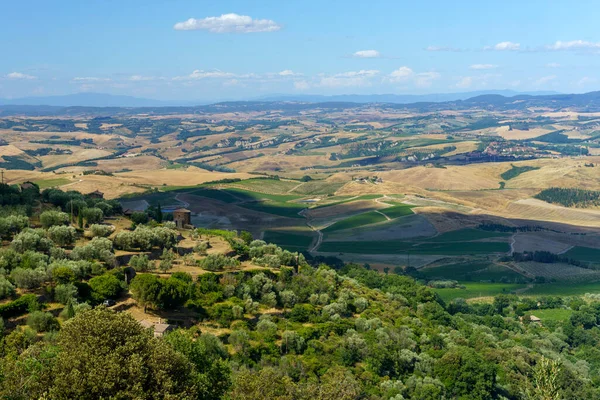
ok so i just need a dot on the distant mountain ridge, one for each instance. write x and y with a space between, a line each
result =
400 98
109 100
585 102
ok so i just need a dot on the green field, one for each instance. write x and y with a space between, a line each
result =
267 185
289 210
46 183
221 195
465 235
551 314
398 211
587 254
356 221
563 289
288 240
336 200
318 188
478 290
473 272
399 247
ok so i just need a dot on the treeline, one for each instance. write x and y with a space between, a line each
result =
570 197
545 257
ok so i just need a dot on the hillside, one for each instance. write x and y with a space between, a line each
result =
237 318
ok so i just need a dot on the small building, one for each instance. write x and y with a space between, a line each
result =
27 185
96 194
535 319
159 329
182 217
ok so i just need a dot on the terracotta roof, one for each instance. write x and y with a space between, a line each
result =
182 210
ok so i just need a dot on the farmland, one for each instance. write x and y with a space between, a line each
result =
392 187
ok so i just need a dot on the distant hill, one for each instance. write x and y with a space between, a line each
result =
399 98
93 100
109 100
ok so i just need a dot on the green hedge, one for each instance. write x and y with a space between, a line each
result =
20 306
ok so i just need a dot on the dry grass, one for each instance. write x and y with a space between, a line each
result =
517 134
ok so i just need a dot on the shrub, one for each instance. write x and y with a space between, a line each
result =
106 286
62 235
6 288
28 278
65 293
41 321
20 306
140 263
98 230
53 218
93 215
218 262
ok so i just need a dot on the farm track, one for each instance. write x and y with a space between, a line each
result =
386 217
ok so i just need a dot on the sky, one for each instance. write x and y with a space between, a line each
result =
227 49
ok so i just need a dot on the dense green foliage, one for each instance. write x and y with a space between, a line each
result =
570 197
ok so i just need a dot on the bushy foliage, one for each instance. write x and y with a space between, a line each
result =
53 218
6 288
145 238
62 235
41 321
218 262
98 230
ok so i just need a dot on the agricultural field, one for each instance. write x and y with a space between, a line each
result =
371 184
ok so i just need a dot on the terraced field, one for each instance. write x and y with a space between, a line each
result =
356 221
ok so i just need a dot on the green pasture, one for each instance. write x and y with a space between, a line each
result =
356 221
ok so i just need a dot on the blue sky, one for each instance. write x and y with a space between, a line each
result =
219 49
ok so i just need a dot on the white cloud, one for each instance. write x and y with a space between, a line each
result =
586 80
301 85
442 48
141 78
367 54
574 45
287 72
483 66
425 79
227 23
90 79
201 74
20 75
465 82
351 78
553 65
544 80
405 74
401 74
504 46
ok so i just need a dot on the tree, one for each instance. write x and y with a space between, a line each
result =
173 292
159 214
98 230
52 218
139 218
103 354
209 357
62 235
65 293
41 321
93 215
6 288
166 260
465 373
545 383
146 289
106 286
140 263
